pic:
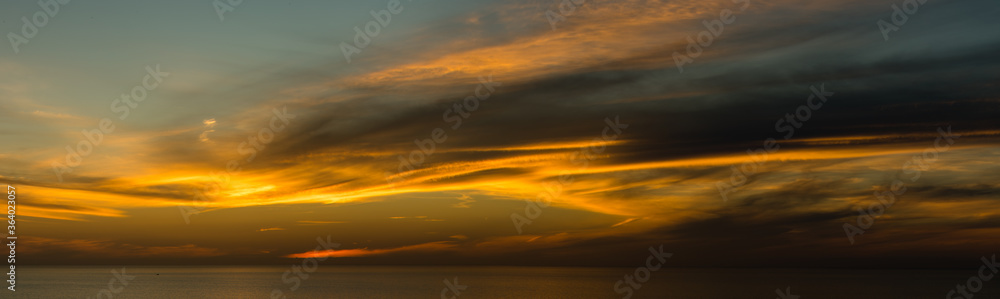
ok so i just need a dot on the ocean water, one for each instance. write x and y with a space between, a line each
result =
329 281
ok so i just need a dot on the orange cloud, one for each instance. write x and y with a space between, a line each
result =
432 246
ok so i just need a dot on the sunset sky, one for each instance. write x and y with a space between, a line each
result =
333 166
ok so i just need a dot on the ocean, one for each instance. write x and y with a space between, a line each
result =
328 281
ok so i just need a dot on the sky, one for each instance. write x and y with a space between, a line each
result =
504 132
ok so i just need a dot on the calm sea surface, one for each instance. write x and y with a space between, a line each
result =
485 282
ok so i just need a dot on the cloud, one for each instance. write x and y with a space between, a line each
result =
611 59
313 222
209 123
465 201
433 246
51 115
